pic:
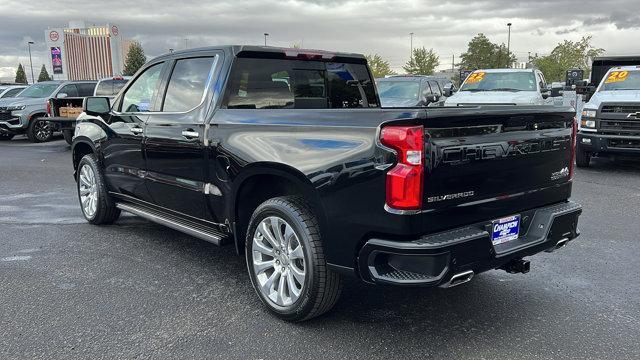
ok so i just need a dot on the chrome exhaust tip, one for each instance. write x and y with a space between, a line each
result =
561 243
459 279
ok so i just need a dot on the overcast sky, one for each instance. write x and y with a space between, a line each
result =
376 26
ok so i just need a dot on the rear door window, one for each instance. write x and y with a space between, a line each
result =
70 90
187 84
86 89
295 84
435 88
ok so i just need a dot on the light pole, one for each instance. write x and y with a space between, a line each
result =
509 45
29 43
265 38
411 45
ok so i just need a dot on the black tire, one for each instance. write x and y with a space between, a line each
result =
583 158
6 137
39 130
106 211
68 136
322 287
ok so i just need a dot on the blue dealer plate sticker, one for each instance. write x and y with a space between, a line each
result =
505 229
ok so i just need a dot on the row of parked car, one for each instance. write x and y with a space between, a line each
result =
35 110
490 86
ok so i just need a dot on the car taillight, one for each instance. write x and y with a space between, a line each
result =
404 181
49 108
574 130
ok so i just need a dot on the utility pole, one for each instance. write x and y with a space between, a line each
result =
411 45
265 38
509 46
29 43
453 62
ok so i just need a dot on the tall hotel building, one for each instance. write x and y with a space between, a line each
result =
86 53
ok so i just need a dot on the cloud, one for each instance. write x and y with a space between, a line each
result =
367 26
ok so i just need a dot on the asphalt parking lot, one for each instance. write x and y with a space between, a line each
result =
140 290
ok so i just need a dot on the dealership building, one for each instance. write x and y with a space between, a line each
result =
82 52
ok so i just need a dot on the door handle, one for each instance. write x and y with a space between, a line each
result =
137 130
190 134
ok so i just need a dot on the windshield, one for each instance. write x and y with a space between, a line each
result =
109 87
399 89
621 80
39 90
500 81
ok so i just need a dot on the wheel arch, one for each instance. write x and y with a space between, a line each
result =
80 147
261 181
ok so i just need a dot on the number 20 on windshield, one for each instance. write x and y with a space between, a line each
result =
617 76
475 77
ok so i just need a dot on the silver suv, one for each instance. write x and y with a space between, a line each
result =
17 114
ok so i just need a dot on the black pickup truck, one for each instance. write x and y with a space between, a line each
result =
287 155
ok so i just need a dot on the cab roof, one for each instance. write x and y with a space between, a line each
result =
270 52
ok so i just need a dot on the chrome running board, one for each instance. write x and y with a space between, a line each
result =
200 232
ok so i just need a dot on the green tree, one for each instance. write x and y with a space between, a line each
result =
21 76
135 59
44 74
423 62
379 67
567 55
483 54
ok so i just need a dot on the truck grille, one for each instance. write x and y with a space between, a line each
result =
623 127
620 109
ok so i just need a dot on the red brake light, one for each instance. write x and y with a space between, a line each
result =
49 108
404 181
574 130
308 55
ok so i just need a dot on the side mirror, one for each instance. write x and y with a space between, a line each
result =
448 90
546 92
431 98
96 105
61 95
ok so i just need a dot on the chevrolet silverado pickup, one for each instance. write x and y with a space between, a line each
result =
287 155
610 122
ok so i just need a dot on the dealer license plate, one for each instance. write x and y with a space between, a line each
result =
505 229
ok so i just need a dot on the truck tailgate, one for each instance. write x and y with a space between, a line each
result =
488 155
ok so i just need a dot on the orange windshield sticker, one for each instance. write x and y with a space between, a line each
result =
475 77
617 76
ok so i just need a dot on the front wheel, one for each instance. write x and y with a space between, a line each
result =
583 158
95 202
39 130
286 262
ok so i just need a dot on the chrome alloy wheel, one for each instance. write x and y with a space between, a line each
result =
278 261
88 190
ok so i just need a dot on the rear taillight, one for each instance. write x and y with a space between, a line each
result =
49 108
404 181
574 130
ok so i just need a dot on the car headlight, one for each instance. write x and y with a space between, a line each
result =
589 113
590 124
14 108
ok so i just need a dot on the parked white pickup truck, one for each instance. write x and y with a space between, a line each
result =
503 87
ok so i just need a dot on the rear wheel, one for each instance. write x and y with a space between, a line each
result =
39 130
68 136
4 136
286 262
95 202
583 158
